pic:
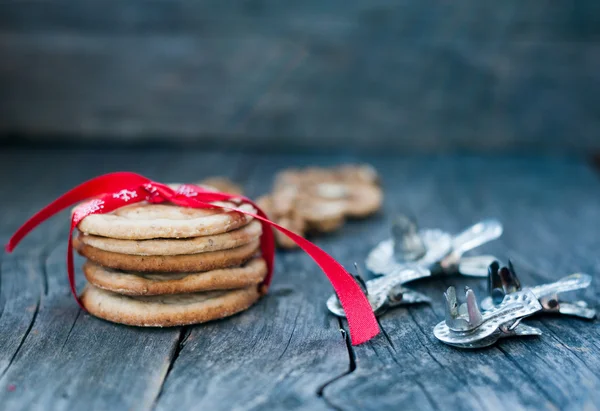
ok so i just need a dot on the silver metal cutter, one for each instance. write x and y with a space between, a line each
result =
436 250
466 326
385 292
503 281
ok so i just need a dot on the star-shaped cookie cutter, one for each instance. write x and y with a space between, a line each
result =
438 251
385 292
466 326
503 281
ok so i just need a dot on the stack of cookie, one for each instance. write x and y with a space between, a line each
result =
318 200
164 265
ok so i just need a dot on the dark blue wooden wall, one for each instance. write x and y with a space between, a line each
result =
404 75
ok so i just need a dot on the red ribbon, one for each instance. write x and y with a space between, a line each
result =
111 191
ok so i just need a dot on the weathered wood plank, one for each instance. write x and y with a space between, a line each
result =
21 274
527 194
286 352
302 89
463 19
276 355
69 359
561 207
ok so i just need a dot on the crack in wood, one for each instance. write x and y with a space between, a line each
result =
291 334
184 334
39 255
44 275
351 368
25 335
71 329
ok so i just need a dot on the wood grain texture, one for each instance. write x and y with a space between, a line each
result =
547 21
278 354
287 351
377 75
541 207
22 274
67 359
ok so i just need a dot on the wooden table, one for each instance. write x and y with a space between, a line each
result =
288 352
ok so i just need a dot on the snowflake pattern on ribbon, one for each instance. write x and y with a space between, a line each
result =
152 191
187 191
88 208
125 195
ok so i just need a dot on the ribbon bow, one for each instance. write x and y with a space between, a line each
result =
111 191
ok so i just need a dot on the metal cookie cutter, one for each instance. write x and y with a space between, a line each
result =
503 281
385 292
436 250
467 327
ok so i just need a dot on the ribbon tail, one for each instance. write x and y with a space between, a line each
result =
361 319
362 323
91 188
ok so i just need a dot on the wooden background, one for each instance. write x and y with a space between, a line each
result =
372 75
287 351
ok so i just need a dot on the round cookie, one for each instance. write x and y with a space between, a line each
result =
167 310
224 241
190 263
253 272
145 221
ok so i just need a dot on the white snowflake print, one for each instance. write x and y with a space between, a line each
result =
89 208
153 191
125 195
187 191
150 188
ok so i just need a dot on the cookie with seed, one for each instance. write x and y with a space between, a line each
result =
216 242
136 283
143 221
187 263
167 310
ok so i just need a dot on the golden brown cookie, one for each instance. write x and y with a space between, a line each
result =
133 283
319 200
354 200
224 241
189 263
292 221
167 310
143 221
